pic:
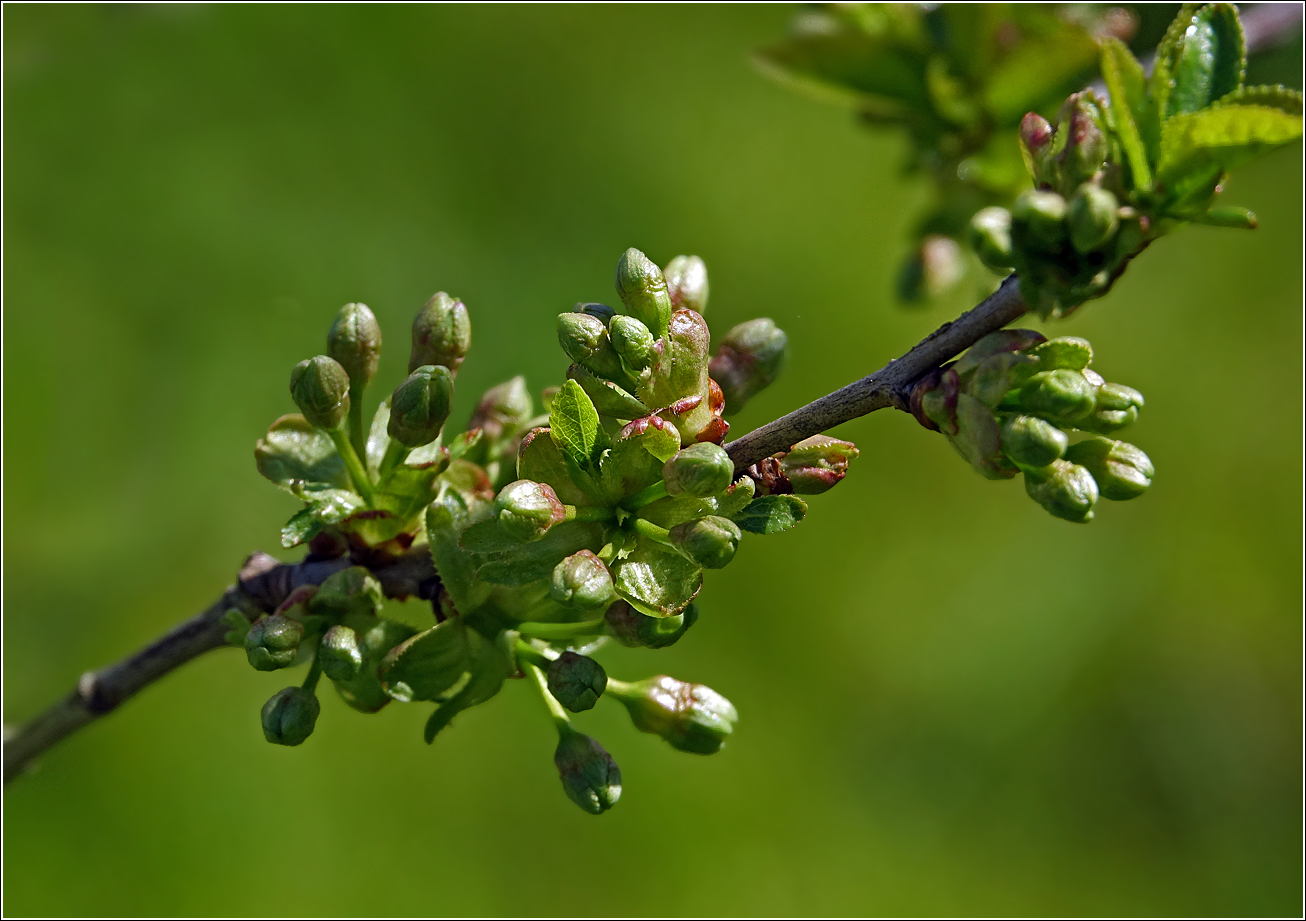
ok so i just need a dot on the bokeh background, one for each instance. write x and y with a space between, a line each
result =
951 702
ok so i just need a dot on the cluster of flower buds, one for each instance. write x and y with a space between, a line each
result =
1012 404
550 535
1113 176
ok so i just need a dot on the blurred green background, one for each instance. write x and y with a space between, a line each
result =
951 702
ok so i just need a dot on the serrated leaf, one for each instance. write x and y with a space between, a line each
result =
540 459
637 456
535 559
488 536
608 398
293 451
736 498
445 518
1207 60
1271 97
771 514
1225 136
491 664
303 526
425 666
409 488
325 507
575 429
656 580
1127 85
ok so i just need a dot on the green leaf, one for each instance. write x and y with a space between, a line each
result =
1128 88
771 514
303 526
408 488
638 454
540 459
1237 218
656 580
445 518
1224 137
574 427
607 397
294 451
465 442
378 439
325 507
427 665
534 560
491 664
736 498
1207 60
239 625
1271 97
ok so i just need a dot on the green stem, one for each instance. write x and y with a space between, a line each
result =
562 631
590 513
529 655
357 472
395 453
357 436
648 529
621 690
560 718
314 673
646 495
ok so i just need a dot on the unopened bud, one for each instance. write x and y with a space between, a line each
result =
601 312
576 681
1120 469
1065 489
632 340
442 334
420 406
816 464
289 716
699 470
1059 396
585 340
1117 407
503 408
355 342
634 628
273 641
320 388
691 717
341 653
527 510
352 591
1092 217
748 360
590 777
1086 145
710 541
687 283
990 237
1031 441
1043 215
643 289
1036 135
581 581
1068 352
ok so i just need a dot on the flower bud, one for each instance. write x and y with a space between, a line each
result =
1059 396
643 289
351 591
576 681
632 341
691 717
1069 352
748 360
420 406
590 777
340 653
1042 215
1117 407
1031 441
289 716
687 283
273 641
442 334
581 581
355 342
320 388
634 628
710 541
990 237
1036 138
699 470
1065 489
1091 217
601 312
527 510
585 340
816 464
503 408
1085 146
1121 470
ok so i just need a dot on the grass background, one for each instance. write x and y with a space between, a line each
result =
951 702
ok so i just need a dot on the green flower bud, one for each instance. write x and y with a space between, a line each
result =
420 406
601 312
355 342
576 681
585 340
527 510
1058 396
442 334
710 541
503 409
816 464
273 641
340 653
351 591
687 283
632 340
1085 144
1117 407
320 388
581 581
634 628
990 237
1121 470
289 716
1031 441
1069 352
1065 489
691 717
643 289
748 360
590 777
699 470
1092 217
1042 215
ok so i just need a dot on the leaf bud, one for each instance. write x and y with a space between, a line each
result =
700 470
355 341
442 334
1117 407
1120 469
320 388
1065 489
581 581
527 510
687 283
576 681
420 406
586 341
590 777
990 237
643 289
340 653
635 628
289 716
691 717
748 360
273 641
1058 396
1091 216
1043 215
632 341
710 541
816 464
1031 441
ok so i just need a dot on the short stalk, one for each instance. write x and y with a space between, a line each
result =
589 513
314 673
529 655
357 472
395 454
646 495
621 690
648 529
562 631
560 718
357 434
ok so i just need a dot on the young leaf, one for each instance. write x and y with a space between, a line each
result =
608 398
457 569
1127 86
771 514
574 427
540 459
408 488
528 562
1207 61
656 580
303 525
293 450
1226 135
1271 97
491 664
425 666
